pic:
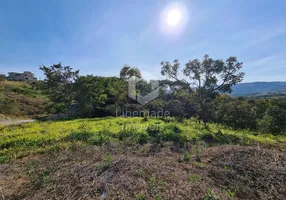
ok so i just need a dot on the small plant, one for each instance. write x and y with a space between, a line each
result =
105 165
226 167
155 187
230 194
107 158
194 178
210 195
250 181
39 178
142 138
198 159
187 156
30 165
158 197
140 196
141 172
152 184
4 159
200 165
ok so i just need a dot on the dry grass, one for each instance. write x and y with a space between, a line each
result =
18 83
126 171
25 102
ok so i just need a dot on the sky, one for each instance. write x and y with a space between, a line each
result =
99 36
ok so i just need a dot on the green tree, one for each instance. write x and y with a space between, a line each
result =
95 93
274 119
127 72
59 83
209 76
238 113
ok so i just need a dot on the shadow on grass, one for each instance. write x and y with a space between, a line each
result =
220 139
98 138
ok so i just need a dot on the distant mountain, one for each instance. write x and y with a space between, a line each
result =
258 88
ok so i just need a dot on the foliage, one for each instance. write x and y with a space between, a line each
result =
107 96
127 72
59 83
205 75
237 113
194 178
187 156
140 196
94 94
210 195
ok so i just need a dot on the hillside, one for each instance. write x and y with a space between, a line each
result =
137 158
259 88
21 100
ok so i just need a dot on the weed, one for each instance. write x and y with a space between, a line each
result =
107 158
142 138
200 165
105 165
40 178
158 197
230 194
250 181
155 187
187 156
210 195
141 172
140 196
4 159
198 159
226 167
194 178
152 183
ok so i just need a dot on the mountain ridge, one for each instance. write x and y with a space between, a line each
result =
258 87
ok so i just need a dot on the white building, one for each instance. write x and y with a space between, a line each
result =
26 76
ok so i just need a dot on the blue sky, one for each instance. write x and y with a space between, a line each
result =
98 37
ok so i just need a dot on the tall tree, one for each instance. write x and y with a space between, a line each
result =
59 83
127 72
209 76
95 93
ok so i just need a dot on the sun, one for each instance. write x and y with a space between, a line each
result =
174 17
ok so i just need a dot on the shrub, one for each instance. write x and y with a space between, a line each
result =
194 178
187 156
210 195
140 196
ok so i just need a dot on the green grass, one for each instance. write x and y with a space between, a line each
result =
38 137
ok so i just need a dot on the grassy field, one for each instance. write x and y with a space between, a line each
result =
19 141
24 100
139 158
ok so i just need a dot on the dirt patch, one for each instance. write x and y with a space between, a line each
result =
124 171
250 172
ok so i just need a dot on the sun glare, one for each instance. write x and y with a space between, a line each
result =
174 17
